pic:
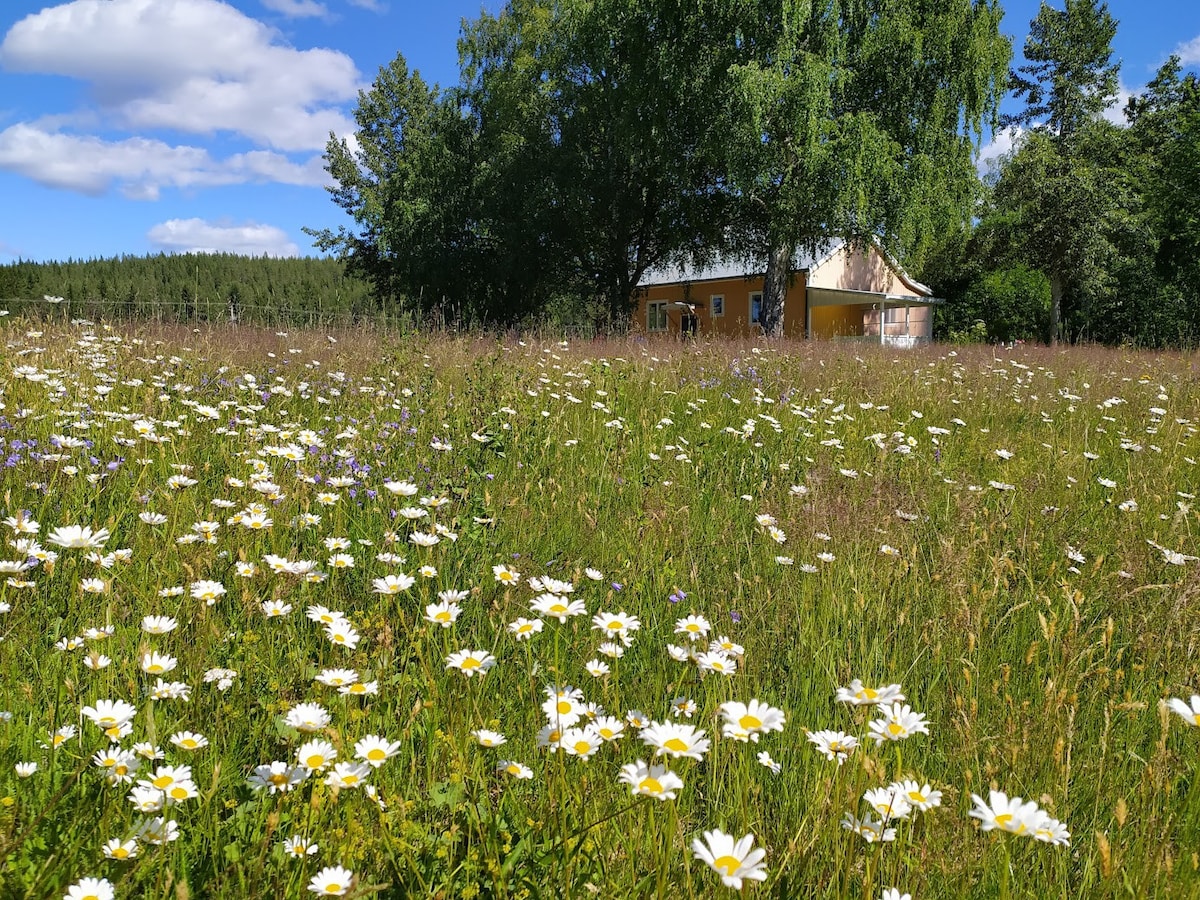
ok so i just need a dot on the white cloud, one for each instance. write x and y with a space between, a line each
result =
1189 52
1116 110
194 65
297 9
140 167
200 236
990 153
372 5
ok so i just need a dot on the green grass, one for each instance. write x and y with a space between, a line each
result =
1040 675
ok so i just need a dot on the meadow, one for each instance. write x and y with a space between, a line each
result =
299 614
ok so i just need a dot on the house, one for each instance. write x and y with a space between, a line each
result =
838 293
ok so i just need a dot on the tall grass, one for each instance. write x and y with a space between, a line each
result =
1041 674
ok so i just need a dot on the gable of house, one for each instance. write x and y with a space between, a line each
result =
838 292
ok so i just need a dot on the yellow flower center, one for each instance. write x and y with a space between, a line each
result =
315 761
727 864
333 888
162 782
557 609
564 707
607 733
895 728
154 669
470 663
583 748
750 723
121 770
916 796
351 779
1003 819
1196 719
120 853
513 770
615 626
650 786
188 744
278 779
676 744
443 616
178 793
376 755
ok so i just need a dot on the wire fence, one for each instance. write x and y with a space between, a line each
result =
176 311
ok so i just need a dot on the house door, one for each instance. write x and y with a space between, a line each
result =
687 324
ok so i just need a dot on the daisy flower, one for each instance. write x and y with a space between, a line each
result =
299 846
75 537
488 738
375 750
745 722
331 881
348 775
897 723
676 740
734 861
869 829
1009 814
524 629
316 755
471 662
859 695
654 781
276 777
393 584
1188 711
115 848
695 627
189 740
506 575
442 613
556 607
517 770
90 889
307 717
581 742
920 797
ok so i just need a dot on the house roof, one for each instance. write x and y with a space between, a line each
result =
723 269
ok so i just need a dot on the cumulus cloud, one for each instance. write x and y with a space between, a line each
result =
140 167
991 153
201 236
199 66
1116 110
297 9
1189 52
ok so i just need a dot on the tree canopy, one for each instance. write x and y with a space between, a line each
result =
589 141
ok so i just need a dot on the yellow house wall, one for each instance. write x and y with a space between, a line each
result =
836 321
736 291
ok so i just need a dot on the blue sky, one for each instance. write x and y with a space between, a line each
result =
134 126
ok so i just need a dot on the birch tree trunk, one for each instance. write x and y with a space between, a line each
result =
775 285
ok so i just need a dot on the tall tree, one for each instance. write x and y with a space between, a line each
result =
614 99
1069 78
855 119
1062 184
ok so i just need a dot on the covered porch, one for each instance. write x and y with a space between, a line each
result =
890 319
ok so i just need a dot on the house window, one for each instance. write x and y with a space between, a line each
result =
755 307
716 305
656 316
